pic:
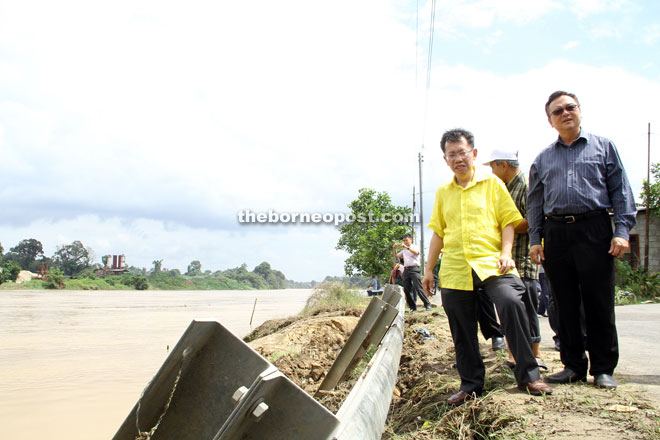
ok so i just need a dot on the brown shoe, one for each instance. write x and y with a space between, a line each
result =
536 388
460 398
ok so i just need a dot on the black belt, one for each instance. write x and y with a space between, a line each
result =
410 267
572 218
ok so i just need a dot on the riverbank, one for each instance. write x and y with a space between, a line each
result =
303 348
134 282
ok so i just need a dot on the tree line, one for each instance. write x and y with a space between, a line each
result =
75 260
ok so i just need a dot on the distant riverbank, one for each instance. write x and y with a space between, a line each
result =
158 281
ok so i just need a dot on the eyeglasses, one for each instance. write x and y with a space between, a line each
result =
568 108
462 154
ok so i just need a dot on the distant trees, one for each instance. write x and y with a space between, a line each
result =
25 254
194 268
653 189
10 271
77 260
274 278
72 258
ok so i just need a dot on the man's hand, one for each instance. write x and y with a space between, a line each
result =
428 283
536 253
619 246
505 263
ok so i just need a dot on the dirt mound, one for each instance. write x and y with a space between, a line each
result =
305 349
25 275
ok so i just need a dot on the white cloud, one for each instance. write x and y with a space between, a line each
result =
453 16
571 45
651 33
584 8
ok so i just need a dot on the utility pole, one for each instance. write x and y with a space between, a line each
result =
421 212
412 226
648 203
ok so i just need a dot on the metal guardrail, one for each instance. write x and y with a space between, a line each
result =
364 412
213 386
371 328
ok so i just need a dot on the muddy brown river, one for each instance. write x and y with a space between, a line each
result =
73 363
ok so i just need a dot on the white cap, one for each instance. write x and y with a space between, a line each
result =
502 154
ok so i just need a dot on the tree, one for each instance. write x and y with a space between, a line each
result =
72 258
653 190
263 269
194 268
54 279
369 238
274 278
158 264
25 254
10 271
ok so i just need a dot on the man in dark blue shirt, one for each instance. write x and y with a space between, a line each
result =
572 185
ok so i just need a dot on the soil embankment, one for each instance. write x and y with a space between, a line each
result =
305 348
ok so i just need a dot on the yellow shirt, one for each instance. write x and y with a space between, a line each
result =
470 222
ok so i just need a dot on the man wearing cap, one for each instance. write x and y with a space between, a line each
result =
572 184
504 164
473 220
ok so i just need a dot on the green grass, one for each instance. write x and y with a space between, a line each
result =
331 296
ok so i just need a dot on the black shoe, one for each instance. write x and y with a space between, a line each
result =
557 346
498 343
428 307
565 376
605 381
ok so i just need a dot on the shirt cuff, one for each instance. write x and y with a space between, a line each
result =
534 239
622 231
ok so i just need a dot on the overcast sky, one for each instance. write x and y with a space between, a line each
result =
145 127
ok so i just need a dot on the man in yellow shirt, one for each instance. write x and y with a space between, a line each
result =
473 224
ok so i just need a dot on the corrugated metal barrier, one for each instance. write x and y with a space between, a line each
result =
213 386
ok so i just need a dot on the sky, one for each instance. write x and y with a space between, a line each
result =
145 128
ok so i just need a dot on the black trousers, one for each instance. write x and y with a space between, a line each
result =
531 301
582 272
487 318
412 286
461 308
545 295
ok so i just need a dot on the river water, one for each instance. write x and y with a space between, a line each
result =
73 363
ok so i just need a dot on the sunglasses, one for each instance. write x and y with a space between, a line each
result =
568 108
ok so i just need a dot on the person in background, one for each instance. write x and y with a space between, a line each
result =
412 282
544 299
396 275
572 184
504 164
373 284
477 263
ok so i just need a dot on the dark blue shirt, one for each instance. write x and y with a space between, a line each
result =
581 178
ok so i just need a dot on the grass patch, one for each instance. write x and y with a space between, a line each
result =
332 296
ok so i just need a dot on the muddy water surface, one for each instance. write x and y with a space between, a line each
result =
73 363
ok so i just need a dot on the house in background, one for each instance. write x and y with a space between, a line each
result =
638 240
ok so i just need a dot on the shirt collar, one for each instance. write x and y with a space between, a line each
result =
583 135
478 176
